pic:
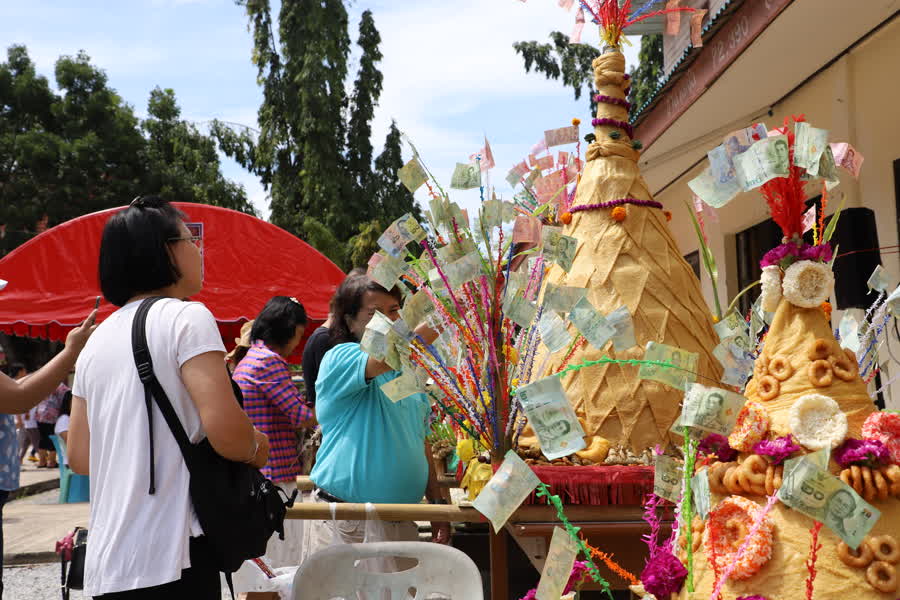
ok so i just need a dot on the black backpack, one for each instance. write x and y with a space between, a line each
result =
237 507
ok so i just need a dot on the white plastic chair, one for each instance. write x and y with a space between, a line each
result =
332 572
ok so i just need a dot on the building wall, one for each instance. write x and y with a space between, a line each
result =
857 99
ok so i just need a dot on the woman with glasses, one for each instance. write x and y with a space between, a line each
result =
143 544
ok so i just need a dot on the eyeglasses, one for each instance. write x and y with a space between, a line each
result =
194 239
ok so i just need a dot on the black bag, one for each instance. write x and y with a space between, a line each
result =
72 550
237 507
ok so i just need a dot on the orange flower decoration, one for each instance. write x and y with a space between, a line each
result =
576 121
619 213
826 308
565 218
668 214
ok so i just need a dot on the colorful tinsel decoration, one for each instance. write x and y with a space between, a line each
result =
814 547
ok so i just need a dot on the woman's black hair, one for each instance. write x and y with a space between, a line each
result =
278 321
347 302
13 368
134 250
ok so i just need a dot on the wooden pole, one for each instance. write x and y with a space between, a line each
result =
499 545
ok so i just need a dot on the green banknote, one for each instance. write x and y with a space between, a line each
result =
711 409
682 372
506 490
552 417
558 565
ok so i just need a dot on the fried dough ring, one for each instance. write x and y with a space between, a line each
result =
752 477
843 368
819 372
716 474
892 475
773 478
868 482
819 350
885 548
882 576
860 558
780 368
768 388
731 480
761 366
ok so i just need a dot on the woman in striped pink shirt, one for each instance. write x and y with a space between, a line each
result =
275 407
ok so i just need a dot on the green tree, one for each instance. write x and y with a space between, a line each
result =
366 91
182 162
299 154
646 75
572 63
392 198
81 150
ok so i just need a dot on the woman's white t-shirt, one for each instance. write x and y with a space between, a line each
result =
138 540
62 424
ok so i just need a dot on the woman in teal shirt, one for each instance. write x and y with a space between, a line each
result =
373 449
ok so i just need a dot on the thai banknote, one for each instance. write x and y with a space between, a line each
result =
620 320
682 372
759 318
459 215
848 157
731 325
809 219
401 232
403 386
532 177
893 302
388 271
541 163
506 490
591 323
496 212
827 169
516 174
700 494
817 493
563 135
879 280
809 144
551 187
738 141
558 566
710 409
374 340
520 310
668 476
417 308
763 161
721 165
412 175
559 248
561 298
715 194
463 270
553 331
465 177
849 331
527 229
440 210
735 359
552 417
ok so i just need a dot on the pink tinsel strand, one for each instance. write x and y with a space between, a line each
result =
651 517
811 561
754 531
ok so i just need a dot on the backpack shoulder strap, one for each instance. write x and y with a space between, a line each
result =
152 388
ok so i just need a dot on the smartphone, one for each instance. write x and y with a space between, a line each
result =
96 306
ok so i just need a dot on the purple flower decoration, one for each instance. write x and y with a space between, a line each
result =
752 598
787 253
718 445
664 575
777 450
865 453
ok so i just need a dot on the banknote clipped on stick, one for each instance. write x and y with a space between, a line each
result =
520 310
401 232
403 386
561 298
412 175
552 417
707 188
465 177
763 161
668 476
809 144
553 331
620 320
592 325
682 372
506 490
559 248
374 340
711 409
813 491
558 565
701 494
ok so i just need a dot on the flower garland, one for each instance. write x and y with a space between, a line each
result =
777 450
600 121
718 445
786 254
867 452
613 100
614 203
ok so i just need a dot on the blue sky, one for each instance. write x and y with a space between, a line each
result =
451 75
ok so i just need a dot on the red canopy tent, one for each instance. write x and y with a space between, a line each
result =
53 277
